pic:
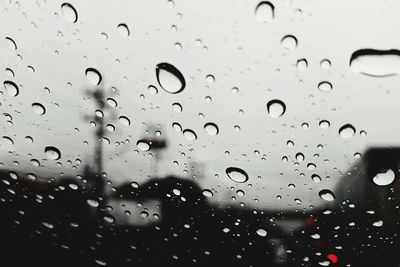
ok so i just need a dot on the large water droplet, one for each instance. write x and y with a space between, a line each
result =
236 174
347 131
289 42
52 152
170 78
123 30
93 76
385 178
265 11
376 63
276 108
327 195
38 108
69 13
211 128
189 134
11 88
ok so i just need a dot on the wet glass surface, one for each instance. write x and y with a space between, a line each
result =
194 133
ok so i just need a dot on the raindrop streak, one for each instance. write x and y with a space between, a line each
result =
143 145
123 30
52 152
69 13
170 78
289 42
376 63
276 108
325 86
93 76
327 195
347 131
38 108
189 135
237 175
385 178
211 128
11 88
265 11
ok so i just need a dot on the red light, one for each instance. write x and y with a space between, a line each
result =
333 258
310 221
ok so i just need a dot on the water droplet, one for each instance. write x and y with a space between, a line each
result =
385 178
325 64
289 42
261 232
112 102
347 131
211 128
134 184
207 193
177 107
189 134
38 108
276 108
143 145
108 218
152 89
237 175
69 13
327 195
299 157
265 11
124 120
378 223
325 86
52 152
11 43
210 78
123 30
93 203
302 64
177 127
170 78
324 124
316 178
11 88
376 63
93 76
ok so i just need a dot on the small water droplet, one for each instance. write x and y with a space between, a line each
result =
325 64
324 124
52 152
265 12
261 232
210 78
11 43
123 30
177 127
152 89
124 120
11 88
384 178
207 193
108 218
93 76
299 157
276 108
189 134
302 64
93 203
39 108
237 175
316 178
69 13
170 78
378 223
143 145
327 195
325 86
289 42
347 131
177 107
211 128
